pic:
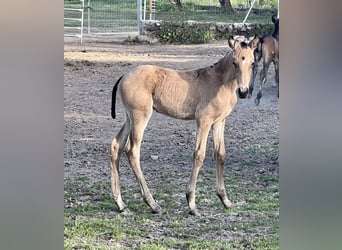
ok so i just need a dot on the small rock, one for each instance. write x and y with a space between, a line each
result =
154 157
232 218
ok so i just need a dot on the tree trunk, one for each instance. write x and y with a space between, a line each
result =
226 6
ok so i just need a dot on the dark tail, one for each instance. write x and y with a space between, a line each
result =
115 89
258 51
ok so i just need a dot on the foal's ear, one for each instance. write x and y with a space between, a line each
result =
233 43
274 19
254 43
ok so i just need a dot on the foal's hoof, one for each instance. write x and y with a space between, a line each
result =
157 210
257 101
194 212
125 211
227 204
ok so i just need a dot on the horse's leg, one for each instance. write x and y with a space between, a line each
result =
139 123
117 146
219 154
254 74
263 78
276 66
198 158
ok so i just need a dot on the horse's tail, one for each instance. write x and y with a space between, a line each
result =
259 48
115 89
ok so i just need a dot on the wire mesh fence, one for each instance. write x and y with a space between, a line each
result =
73 18
123 16
105 16
113 16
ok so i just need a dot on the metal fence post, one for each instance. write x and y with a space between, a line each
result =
88 17
139 15
73 19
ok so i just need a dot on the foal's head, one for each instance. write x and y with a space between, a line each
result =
243 61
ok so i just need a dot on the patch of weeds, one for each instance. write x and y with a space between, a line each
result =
264 151
152 246
261 243
268 178
177 224
182 33
205 244
68 245
88 228
129 39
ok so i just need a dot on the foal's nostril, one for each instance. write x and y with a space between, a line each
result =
243 92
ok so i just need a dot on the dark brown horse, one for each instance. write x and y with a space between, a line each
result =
206 95
268 51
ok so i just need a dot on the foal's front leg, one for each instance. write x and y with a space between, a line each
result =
219 154
198 158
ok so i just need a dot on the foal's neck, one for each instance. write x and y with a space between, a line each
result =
225 68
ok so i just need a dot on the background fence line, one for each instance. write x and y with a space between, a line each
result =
73 19
126 16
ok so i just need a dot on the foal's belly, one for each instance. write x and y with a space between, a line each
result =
175 110
177 100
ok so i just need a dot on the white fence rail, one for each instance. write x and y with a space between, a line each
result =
73 19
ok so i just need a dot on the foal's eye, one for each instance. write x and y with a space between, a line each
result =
243 58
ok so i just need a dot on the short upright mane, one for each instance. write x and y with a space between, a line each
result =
243 45
219 66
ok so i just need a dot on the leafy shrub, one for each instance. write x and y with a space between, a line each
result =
184 33
264 29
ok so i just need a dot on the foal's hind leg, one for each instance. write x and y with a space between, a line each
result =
263 77
117 146
139 122
276 66
219 154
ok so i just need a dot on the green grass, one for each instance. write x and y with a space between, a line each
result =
214 16
91 220
197 10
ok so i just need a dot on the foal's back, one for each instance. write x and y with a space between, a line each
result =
171 92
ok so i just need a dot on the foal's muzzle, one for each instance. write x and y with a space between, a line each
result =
243 92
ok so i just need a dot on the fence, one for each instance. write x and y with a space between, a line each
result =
125 16
73 18
112 16
210 10
103 16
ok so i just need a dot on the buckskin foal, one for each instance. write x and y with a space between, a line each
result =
206 95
